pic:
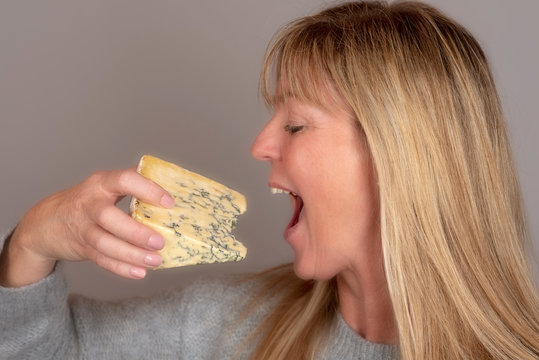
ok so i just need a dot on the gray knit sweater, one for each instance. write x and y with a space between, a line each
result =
40 321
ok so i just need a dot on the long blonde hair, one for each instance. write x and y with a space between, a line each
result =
452 225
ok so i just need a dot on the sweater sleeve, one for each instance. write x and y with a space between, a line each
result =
35 321
196 322
138 328
41 321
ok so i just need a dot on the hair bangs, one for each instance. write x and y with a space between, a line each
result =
296 66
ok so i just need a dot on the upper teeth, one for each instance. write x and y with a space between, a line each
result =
278 191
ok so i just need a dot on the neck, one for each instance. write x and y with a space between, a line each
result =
365 303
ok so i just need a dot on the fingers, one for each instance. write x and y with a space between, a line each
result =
107 235
118 256
129 182
124 227
115 241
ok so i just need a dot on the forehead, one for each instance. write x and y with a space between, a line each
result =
325 98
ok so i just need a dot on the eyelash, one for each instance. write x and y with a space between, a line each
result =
292 129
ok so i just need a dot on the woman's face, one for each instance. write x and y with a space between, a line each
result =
321 158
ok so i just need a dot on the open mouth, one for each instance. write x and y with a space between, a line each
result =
297 202
298 206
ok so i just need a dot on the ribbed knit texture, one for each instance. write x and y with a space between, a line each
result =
198 322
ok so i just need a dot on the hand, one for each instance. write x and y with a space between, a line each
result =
83 223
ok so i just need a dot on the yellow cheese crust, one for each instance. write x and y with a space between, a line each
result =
198 229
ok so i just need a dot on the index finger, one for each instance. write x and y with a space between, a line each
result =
130 182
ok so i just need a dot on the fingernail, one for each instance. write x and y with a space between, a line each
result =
153 260
156 242
167 201
138 272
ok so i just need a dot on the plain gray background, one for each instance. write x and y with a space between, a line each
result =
93 85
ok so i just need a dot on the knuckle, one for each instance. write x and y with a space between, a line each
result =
97 176
87 192
116 267
102 215
125 180
107 263
139 234
134 257
102 260
100 243
150 189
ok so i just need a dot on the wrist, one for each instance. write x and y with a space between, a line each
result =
19 265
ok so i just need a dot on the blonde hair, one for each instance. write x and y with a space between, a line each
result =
452 226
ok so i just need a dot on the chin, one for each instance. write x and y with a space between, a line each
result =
301 273
308 271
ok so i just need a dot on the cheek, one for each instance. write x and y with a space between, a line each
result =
347 206
303 154
306 169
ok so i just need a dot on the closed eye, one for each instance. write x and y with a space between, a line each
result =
292 129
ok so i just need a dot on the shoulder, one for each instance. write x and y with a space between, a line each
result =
221 297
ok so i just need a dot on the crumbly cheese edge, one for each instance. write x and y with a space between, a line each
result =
238 197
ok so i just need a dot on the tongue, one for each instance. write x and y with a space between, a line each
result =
297 211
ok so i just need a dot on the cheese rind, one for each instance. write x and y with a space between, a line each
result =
198 229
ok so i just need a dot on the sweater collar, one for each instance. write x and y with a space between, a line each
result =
345 343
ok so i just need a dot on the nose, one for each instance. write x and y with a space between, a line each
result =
266 146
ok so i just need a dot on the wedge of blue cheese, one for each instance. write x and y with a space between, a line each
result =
198 229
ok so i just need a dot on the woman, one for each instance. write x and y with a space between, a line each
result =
408 231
